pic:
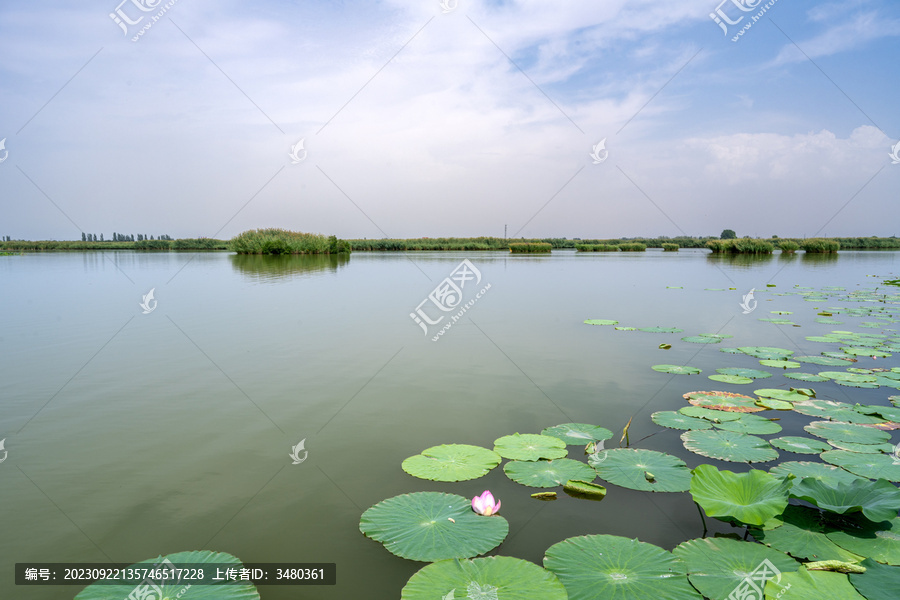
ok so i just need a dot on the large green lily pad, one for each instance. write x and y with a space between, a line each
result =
601 322
833 411
223 591
714 416
735 379
877 500
609 566
488 578
724 401
729 446
530 446
879 582
661 329
873 466
547 473
847 432
578 433
752 498
676 369
645 470
779 363
800 445
753 424
825 361
799 531
766 352
778 394
451 462
810 377
716 566
674 420
751 373
817 585
431 526
878 541
803 469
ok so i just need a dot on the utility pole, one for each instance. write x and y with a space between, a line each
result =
504 231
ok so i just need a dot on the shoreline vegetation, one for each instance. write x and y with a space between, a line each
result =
281 241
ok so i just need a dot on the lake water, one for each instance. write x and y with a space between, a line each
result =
131 435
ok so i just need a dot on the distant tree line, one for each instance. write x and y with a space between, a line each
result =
119 237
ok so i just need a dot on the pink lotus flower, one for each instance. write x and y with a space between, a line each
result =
485 504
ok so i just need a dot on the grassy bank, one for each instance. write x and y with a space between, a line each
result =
596 248
283 241
530 248
820 246
740 246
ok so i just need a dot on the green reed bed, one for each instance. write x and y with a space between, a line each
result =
596 248
788 247
283 241
530 248
670 247
820 246
632 247
740 246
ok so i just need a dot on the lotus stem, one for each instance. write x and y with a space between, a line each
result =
702 518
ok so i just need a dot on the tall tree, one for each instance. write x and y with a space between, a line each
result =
728 234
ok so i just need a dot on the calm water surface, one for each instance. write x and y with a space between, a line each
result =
132 435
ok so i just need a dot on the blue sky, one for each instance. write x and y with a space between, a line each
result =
418 122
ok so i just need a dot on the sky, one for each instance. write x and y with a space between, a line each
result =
461 118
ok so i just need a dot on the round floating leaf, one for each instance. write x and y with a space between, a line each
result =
547 473
645 470
674 420
873 466
766 352
825 361
780 364
779 394
736 379
451 462
724 401
833 411
821 585
730 350
601 322
854 351
806 377
661 329
840 355
847 432
862 448
878 541
729 446
715 416
530 446
799 531
804 469
846 376
753 424
214 591
676 369
609 566
800 445
418 526
483 579
716 566
751 373
879 582
753 497
578 433
891 413
700 339
774 404
878 500
584 489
